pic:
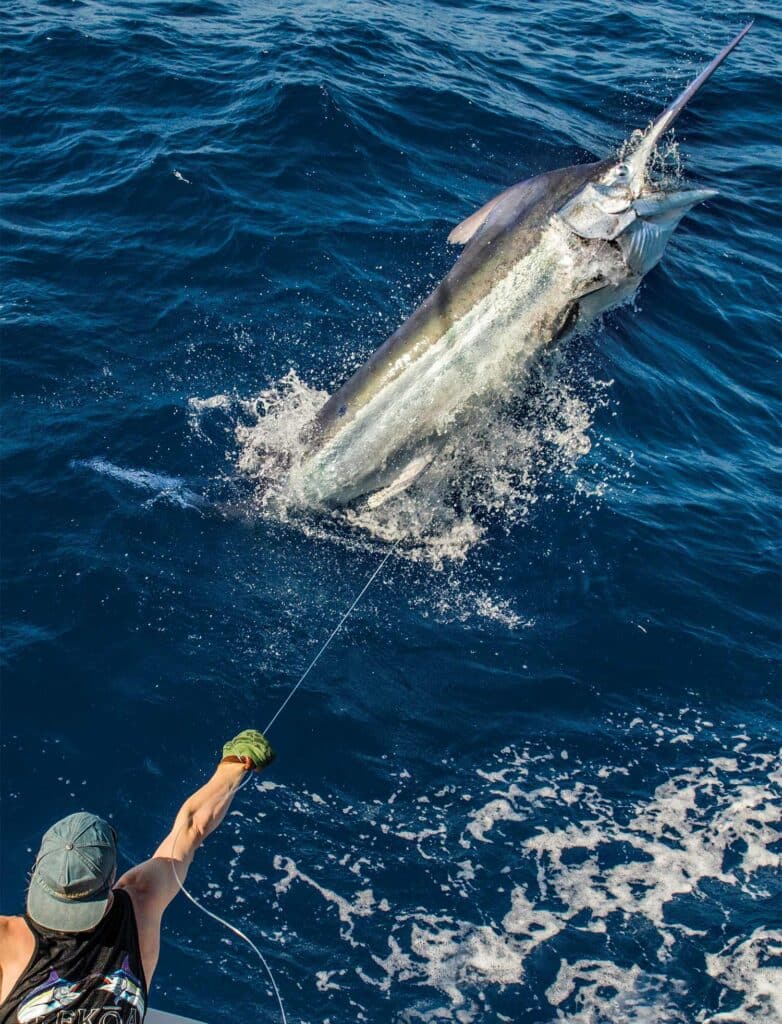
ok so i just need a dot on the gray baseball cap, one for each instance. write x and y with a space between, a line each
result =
73 874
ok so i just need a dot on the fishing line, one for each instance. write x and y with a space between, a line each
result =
334 632
209 913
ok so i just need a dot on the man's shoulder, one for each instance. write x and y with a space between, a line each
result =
11 923
144 880
15 936
135 880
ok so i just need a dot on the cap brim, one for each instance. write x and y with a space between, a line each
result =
63 915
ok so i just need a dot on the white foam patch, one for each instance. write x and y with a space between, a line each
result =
751 968
671 856
602 992
570 867
452 956
361 905
325 981
486 817
198 408
270 437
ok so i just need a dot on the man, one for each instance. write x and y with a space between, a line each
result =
87 947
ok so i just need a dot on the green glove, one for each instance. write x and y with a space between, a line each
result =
252 744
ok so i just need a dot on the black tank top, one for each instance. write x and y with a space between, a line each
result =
94 977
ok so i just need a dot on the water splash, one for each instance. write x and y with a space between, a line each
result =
664 168
489 474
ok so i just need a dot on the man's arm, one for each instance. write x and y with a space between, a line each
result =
152 885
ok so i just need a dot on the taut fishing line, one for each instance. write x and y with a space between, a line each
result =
215 917
334 632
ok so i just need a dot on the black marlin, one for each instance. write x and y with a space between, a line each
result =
541 260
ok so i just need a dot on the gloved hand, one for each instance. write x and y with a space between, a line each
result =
250 745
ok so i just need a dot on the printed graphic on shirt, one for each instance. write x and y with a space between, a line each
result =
125 987
56 994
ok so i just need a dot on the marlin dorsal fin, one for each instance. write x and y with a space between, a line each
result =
463 232
533 199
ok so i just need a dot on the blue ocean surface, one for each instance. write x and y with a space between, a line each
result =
536 776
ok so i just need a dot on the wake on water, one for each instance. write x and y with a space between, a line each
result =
603 890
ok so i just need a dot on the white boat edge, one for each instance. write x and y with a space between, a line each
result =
161 1017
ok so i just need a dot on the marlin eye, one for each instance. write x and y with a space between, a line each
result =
622 172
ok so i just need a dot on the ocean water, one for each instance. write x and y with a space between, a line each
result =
536 777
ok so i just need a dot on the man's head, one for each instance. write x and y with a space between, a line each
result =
70 887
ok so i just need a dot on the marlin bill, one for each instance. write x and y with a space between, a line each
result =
540 260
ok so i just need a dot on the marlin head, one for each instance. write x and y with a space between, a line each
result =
622 204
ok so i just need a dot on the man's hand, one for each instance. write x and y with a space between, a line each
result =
250 745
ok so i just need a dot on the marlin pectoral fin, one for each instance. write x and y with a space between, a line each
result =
408 475
644 242
644 245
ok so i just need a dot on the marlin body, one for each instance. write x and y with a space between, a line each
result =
541 260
